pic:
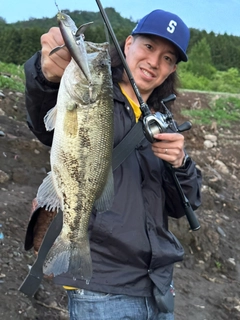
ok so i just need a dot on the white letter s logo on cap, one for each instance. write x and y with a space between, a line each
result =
171 26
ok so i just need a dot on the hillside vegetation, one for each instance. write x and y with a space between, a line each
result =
214 59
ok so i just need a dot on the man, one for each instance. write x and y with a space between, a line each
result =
132 250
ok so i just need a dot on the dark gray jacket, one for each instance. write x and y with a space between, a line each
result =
131 245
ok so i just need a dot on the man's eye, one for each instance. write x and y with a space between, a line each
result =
168 59
148 46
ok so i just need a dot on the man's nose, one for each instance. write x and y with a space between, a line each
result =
154 61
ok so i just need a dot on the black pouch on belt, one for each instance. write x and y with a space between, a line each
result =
165 302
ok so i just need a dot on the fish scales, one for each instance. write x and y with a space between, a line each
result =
81 153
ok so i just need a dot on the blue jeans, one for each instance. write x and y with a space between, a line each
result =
89 305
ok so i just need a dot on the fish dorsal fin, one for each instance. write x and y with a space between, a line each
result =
105 201
57 49
82 28
50 119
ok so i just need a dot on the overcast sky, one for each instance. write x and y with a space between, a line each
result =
218 16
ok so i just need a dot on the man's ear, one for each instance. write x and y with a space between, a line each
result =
128 42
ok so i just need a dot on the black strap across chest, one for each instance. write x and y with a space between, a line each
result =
127 145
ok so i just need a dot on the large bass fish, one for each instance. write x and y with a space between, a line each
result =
81 173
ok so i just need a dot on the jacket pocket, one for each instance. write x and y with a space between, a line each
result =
99 227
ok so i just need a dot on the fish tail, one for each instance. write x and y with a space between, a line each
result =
69 257
57 260
80 263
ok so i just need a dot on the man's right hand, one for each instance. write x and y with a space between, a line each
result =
53 66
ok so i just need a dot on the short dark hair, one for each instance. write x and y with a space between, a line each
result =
168 87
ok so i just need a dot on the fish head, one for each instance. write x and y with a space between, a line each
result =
100 68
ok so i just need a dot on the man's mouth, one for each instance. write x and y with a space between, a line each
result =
148 74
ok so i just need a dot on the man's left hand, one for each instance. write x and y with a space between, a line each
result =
170 148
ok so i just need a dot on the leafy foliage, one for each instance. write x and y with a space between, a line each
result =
200 60
223 111
225 49
220 81
17 45
226 81
214 59
11 77
19 41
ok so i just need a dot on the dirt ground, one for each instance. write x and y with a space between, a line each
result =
207 281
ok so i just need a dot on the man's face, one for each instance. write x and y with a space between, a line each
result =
151 60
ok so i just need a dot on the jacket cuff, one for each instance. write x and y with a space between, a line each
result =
40 76
185 164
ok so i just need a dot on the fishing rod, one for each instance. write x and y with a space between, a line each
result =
143 106
157 123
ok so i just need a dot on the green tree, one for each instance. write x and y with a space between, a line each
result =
10 39
30 43
200 60
2 21
226 81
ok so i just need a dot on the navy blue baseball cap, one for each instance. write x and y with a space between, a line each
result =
168 26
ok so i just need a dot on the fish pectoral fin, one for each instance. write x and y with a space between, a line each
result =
47 195
50 119
57 260
104 202
82 28
57 49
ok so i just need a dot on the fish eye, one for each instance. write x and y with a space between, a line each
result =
103 64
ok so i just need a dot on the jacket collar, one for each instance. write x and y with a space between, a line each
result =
117 93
